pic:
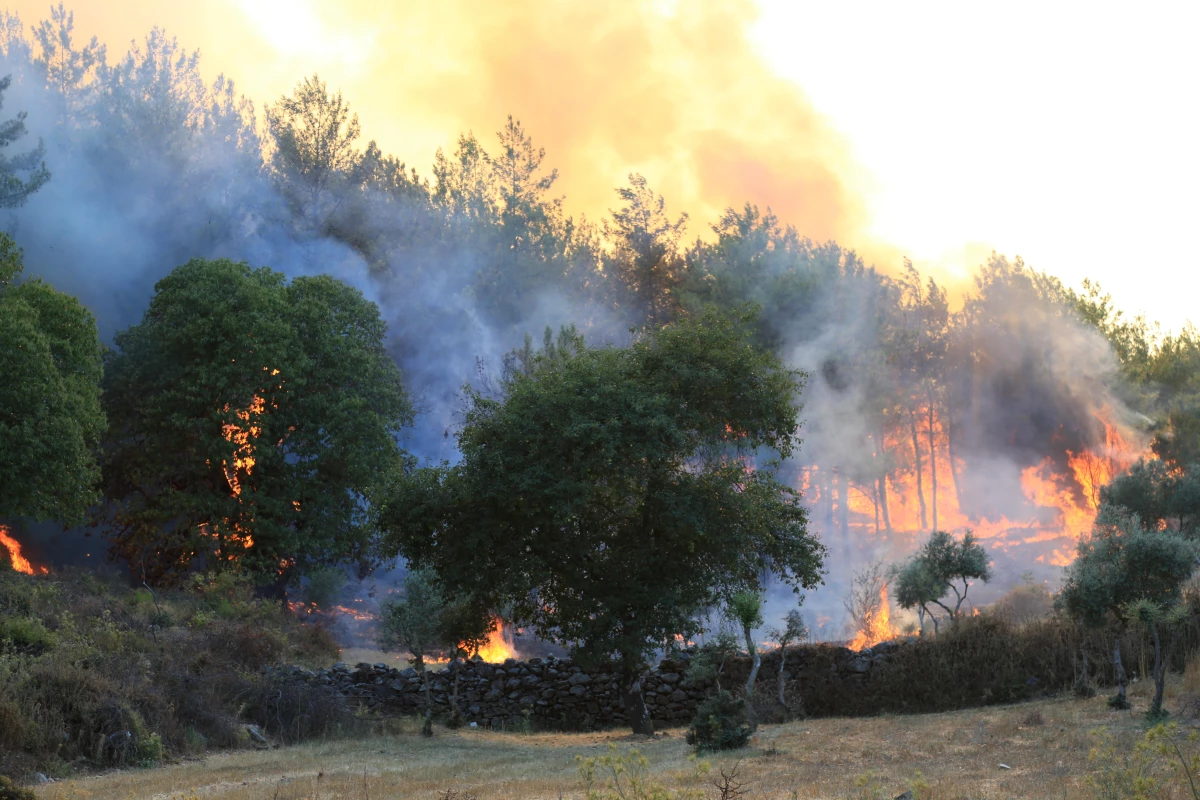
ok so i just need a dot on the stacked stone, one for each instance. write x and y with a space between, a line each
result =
549 691
557 693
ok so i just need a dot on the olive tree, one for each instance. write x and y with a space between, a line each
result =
745 609
793 631
1137 574
943 566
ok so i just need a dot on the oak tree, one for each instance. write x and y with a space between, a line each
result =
607 494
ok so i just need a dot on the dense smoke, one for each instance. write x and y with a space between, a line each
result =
152 167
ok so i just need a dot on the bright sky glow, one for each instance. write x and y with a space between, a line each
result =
1067 133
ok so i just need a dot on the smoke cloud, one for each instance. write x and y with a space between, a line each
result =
164 164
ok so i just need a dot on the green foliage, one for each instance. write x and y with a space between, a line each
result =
13 190
414 622
1164 762
722 723
84 659
605 495
794 630
1121 563
709 660
943 565
50 415
26 634
1159 495
250 421
321 586
745 608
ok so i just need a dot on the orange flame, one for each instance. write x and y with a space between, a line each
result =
879 626
498 647
1063 494
19 562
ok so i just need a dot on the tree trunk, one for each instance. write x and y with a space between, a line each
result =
843 484
1160 673
883 502
932 463
1081 683
912 424
921 618
875 502
635 704
782 674
755 663
950 454
1120 700
427 727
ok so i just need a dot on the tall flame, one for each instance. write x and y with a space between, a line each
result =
878 626
1063 494
19 562
498 648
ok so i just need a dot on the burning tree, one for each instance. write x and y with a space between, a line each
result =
250 419
50 415
868 609
606 496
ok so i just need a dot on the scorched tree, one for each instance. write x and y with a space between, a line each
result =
250 419
606 494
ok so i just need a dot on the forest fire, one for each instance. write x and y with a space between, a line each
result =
926 491
19 561
878 626
498 647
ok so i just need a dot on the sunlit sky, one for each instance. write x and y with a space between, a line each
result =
1066 133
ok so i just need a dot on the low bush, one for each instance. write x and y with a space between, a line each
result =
722 723
27 634
10 792
96 674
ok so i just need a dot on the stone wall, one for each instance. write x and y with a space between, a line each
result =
556 693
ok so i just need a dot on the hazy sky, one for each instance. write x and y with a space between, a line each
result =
1065 133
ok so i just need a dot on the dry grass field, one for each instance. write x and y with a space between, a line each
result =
1044 747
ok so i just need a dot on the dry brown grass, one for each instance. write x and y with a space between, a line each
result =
952 755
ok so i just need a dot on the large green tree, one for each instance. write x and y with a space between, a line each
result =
250 420
50 416
606 494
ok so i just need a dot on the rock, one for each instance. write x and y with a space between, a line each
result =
669 677
42 778
579 678
408 672
906 796
679 696
578 690
255 733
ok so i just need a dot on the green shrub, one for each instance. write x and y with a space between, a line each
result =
323 585
722 723
26 634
